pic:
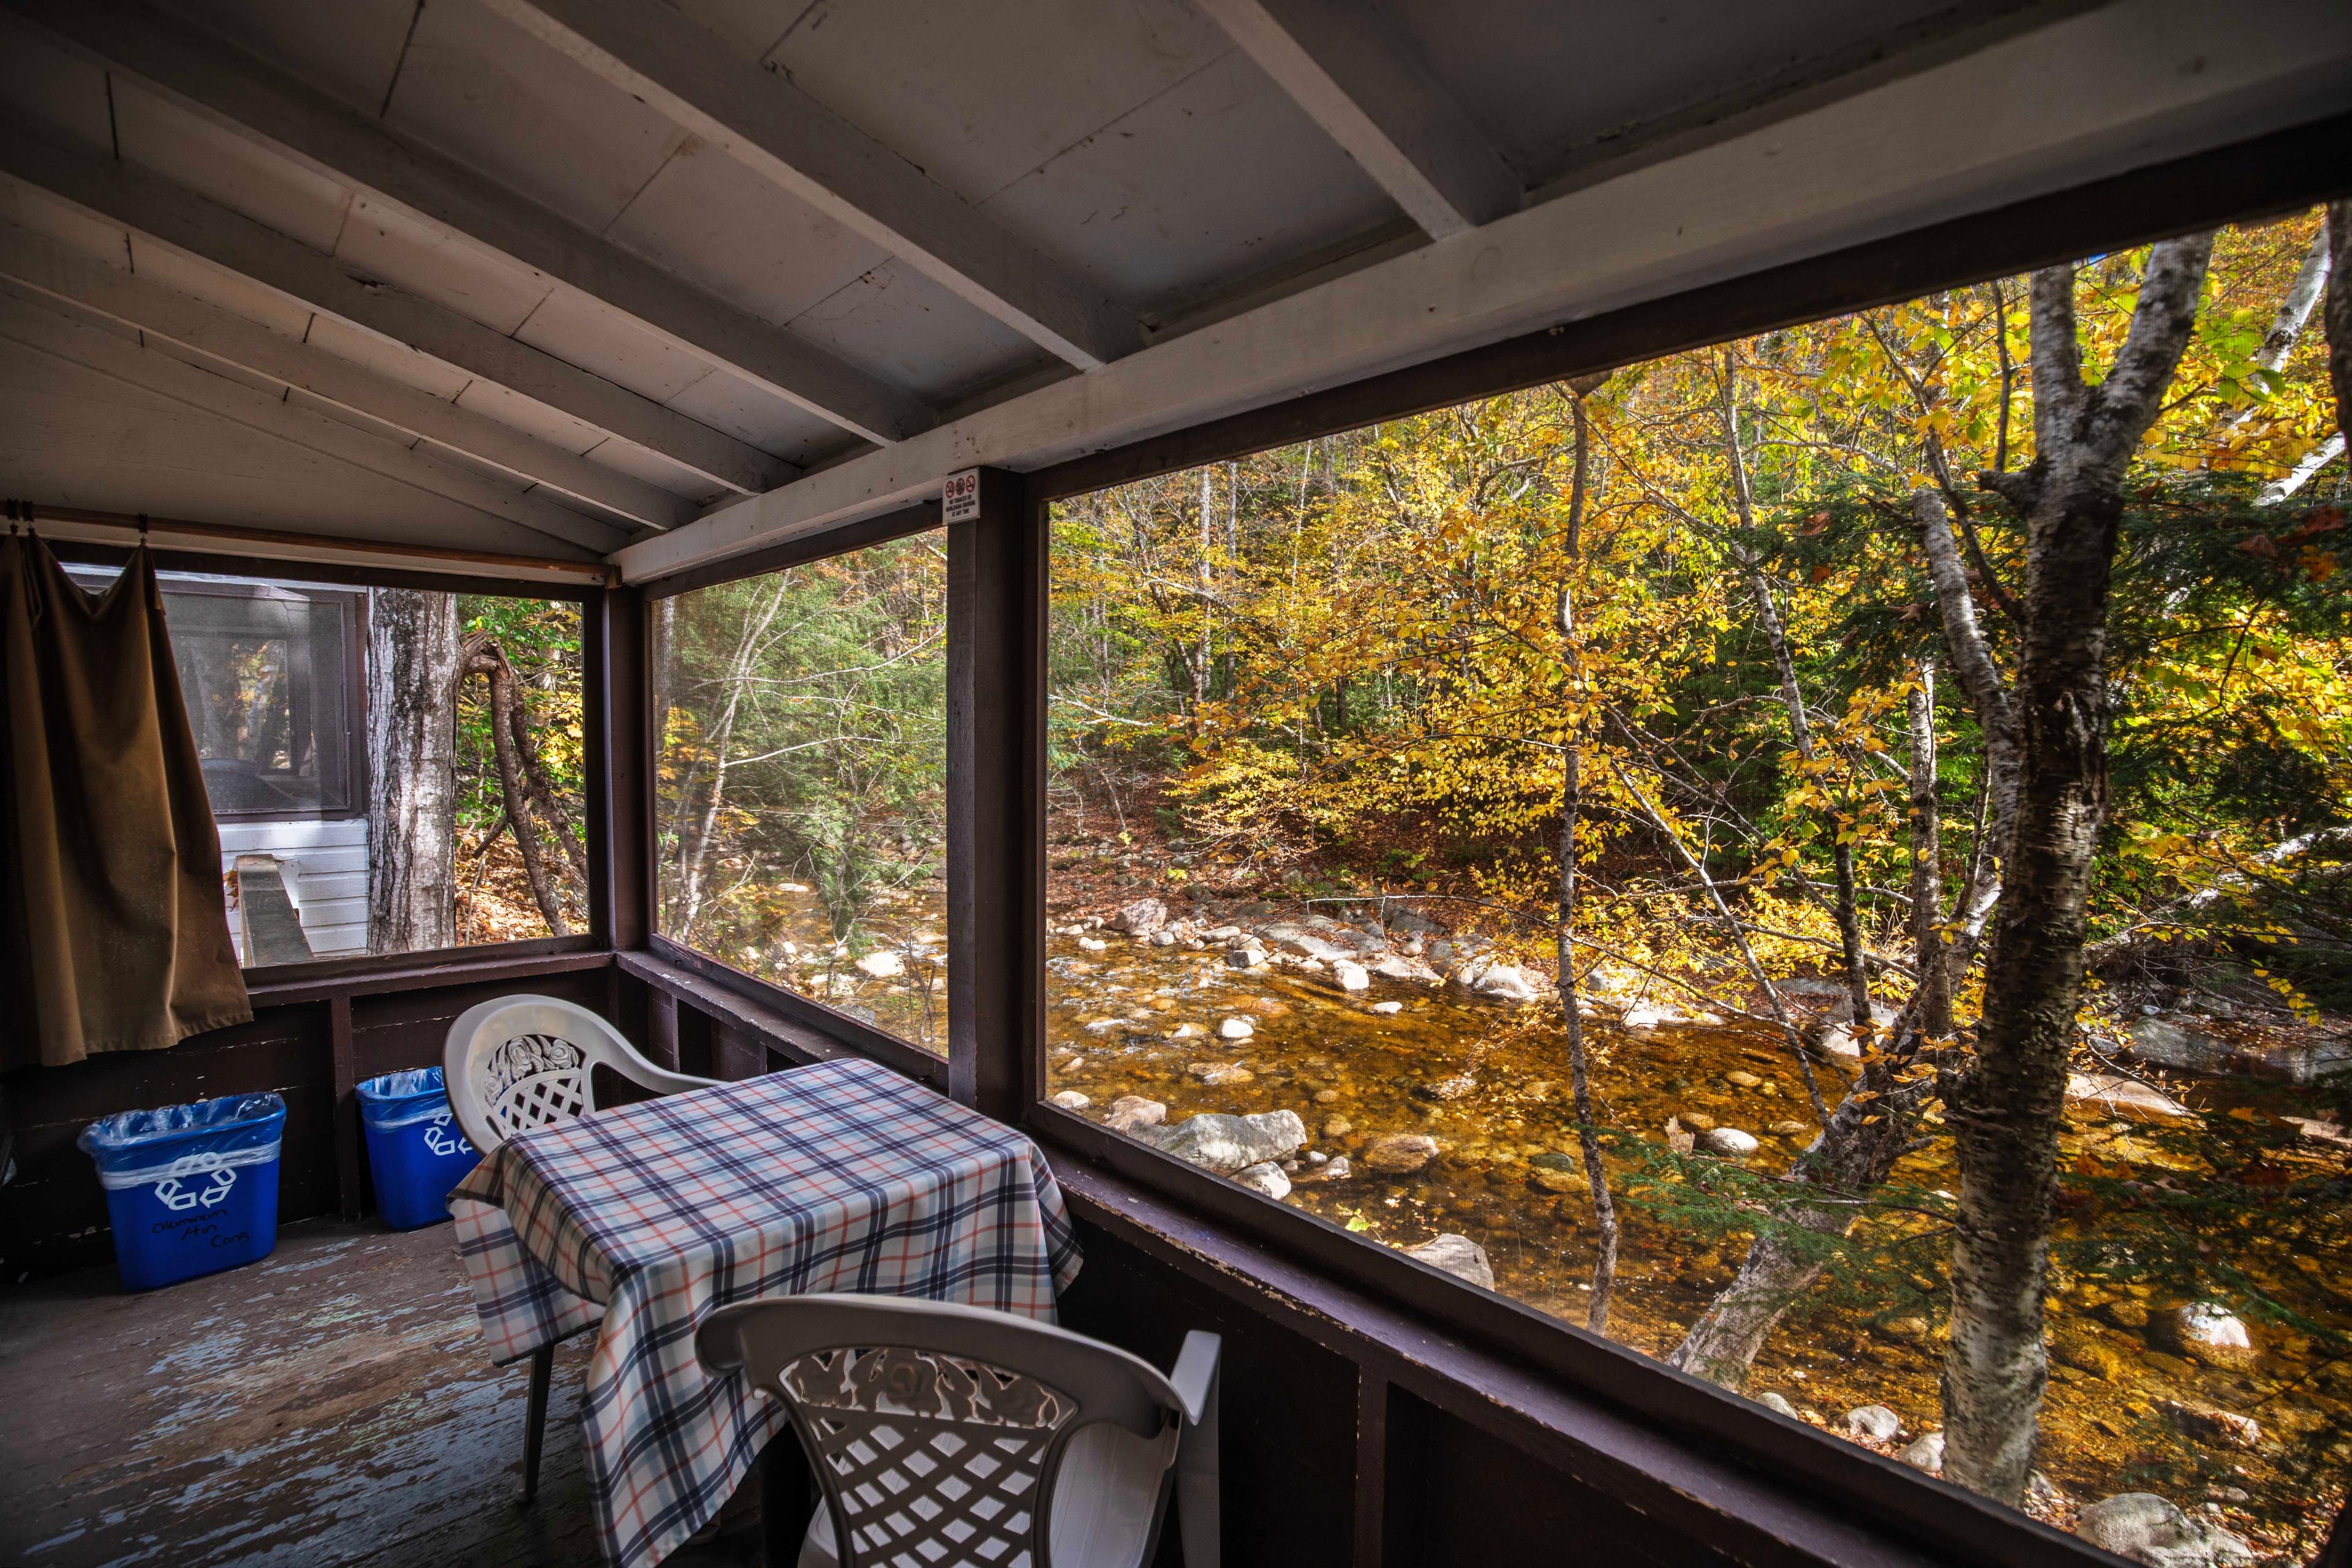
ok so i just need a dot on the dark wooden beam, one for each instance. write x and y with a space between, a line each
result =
617 700
993 609
1371 1469
347 1105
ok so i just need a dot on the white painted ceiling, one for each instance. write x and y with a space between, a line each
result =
1129 148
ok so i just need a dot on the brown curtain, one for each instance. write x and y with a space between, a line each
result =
113 936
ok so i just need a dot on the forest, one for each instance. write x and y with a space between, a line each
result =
1821 857
476 770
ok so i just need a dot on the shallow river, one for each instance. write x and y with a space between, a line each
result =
2116 1419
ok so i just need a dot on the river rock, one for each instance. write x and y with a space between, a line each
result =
1337 1127
1789 1128
1728 1142
2085 1351
1325 1170
2204 1332
2224 1426
2150 1530
1266 1177
1130 1113
1739 1080
1569 1181
2182 1044
1499 982
2127 1315
1386 1009
1458 1256
1217 1075
1400 1154
2122 1094
1647 1015
1350 976
1304 943
1070 1100
1837 1036
1140 918
2320 1131
1093 944
1926 1454
1235 1029
882 964
1230 1143
1873 1423
1777 1405
1697 1121
1249 955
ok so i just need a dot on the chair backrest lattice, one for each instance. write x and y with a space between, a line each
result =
927 1458
520 1063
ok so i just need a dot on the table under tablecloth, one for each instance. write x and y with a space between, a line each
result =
841 1176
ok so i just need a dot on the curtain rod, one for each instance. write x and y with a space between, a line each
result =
316 546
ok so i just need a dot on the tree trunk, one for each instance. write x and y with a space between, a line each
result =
412 734
1928 861
2008 1099
508 733
1588 1130
2339 314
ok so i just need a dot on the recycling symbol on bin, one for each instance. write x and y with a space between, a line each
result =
174 1196
440 1139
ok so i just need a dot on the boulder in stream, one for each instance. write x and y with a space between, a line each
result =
2183 1045
1070 1100
1926 1454
882 964
1266 1177
1400 1154
1458 1256
1140 918
1777 1405
1230 1143
1217 1075
1130 1113
1386 1008
1873 1423
1248 955
1235 1029
1350 976
2153 1531
2203 1331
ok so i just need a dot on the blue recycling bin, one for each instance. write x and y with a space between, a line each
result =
191 1189
416 1152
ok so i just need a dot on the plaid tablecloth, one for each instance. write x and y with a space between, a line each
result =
842 1176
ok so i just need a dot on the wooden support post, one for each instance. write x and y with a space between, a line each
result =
1371 1469
615 653
661 1028
995 672
345 1051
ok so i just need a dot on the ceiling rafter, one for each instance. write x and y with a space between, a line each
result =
163 211
761 118
2180 77
45 331
1363 83
248 97
47 267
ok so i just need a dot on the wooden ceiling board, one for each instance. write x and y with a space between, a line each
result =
238 172
979 94
712 221
379 354
72 436
29 206
727 402
48 86
911 330
388 243
1149 209
595 337
490 95
628 457
552 426
348 48
216 285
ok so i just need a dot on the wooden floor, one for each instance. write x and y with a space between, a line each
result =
329 1405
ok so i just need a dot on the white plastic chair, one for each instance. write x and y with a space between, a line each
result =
944 1435
522 1062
